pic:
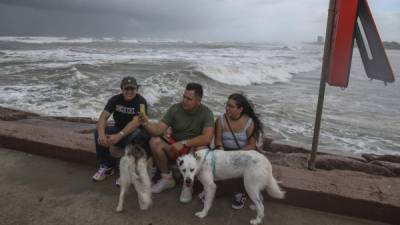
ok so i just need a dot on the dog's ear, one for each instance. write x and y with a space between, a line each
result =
196 156
138 151
179 161
129 149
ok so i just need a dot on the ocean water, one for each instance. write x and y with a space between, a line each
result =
75 77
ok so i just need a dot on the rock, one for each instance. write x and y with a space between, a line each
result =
292 160
394 167
11 114
388 158
331 162
273 147
76 119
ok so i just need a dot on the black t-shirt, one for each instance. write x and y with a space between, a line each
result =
124 111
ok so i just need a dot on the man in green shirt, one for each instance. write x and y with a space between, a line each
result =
192 125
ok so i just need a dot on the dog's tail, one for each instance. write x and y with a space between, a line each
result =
273 188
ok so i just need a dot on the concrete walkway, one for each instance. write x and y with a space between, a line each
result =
44 191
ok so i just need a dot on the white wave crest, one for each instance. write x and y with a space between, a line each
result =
245 73
46 40
162 86
77 74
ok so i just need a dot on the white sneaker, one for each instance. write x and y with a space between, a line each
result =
166 182
186 194
102 173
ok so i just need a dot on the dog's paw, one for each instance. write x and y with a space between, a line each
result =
201 214
119 209
144 207
255 221
252 207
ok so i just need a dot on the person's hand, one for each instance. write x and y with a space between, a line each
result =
113 139
143 119
103 140
136 120
219 147
176 146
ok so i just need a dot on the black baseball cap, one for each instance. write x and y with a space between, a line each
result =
128 82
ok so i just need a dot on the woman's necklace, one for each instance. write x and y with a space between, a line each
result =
234 120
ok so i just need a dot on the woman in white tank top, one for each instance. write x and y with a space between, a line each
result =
238 129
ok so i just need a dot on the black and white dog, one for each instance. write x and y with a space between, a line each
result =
208 166
134 170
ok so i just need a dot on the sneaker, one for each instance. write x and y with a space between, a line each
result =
118 182
238 201
166 182
186 194
102 173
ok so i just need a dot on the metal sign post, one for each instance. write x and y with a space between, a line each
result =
341 31
322 84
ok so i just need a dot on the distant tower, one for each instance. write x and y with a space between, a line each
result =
320 39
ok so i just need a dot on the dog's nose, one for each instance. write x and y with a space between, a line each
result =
188 181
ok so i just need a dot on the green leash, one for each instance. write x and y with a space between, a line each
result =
213 160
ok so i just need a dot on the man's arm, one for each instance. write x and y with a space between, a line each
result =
101 127
218 134
202 140
155 129
132 125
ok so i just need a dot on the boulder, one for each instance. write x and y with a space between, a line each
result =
11 114
332 162
388 158
394 167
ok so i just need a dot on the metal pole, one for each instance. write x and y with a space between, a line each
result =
322 85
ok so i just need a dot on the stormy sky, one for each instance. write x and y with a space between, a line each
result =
207 20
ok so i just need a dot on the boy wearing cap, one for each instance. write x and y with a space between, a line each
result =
125 109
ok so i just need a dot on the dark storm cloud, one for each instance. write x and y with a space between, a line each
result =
238 20
178 12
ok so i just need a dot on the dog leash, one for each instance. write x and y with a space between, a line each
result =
213 160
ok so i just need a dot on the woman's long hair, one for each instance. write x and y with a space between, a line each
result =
242 101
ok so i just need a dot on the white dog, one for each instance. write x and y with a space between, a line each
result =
208 166
134 170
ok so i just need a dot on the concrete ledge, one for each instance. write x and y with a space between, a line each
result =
344 192
48 141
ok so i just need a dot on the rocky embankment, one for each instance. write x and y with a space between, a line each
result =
366 186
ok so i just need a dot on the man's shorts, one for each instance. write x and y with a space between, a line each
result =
182 151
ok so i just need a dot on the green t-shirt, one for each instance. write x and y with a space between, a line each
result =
186 125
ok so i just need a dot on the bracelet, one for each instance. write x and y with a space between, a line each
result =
184 143
122 133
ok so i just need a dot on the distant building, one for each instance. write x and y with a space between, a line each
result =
320 40
391 45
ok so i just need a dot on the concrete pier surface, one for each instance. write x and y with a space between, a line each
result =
36 190
365 187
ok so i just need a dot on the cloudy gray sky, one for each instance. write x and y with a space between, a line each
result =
214 20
